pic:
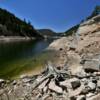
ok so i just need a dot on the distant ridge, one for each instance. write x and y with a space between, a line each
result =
47 32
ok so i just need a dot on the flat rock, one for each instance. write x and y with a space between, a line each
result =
77 91
55 88
92 65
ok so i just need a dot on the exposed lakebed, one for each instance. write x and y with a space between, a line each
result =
22 57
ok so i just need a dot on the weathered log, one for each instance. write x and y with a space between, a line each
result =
51 72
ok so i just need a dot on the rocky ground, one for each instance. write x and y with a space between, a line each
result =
75 75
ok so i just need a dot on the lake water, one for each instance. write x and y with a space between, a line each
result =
21 57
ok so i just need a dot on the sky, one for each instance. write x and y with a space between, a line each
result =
58 15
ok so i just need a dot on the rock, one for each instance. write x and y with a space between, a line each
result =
92 66
66 83
59 43
72 83
75 83
53 87
98 83
94 79
92 85
81 97
2 81
81 73
77 91
14 82
96 97
26 80
97 73
85 90
23 76
84 81
73 98
73 63
90 95
1 91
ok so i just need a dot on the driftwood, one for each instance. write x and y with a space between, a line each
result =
51 72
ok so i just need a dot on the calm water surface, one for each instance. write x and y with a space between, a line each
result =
18 57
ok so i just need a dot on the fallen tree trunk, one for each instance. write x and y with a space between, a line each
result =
51 72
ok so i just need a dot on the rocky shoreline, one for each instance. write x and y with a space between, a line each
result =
53 84
75 75
15 38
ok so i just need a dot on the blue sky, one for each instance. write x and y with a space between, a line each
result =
58 15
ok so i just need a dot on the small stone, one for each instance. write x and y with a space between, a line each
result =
81 97
66 83
73 98
97 73
75 83
96 97
77 91
89 66
23 76
92 85
1 91
98 83
26 80
2 80
84 81
90 95
85 91
14 82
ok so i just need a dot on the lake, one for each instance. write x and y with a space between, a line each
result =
22 57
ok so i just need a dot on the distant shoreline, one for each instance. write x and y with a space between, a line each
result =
15 38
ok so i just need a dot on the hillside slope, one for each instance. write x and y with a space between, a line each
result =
48 33
10 25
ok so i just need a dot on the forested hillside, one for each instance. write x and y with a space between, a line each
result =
10 25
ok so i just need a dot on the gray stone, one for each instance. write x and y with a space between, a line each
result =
98 83
14 82
84 81
96 97
75 83
77 91
85 90
92 85
2 80
66 83
92 65
90 95
81 97
26 80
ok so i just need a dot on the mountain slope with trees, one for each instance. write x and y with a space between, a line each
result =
10 25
